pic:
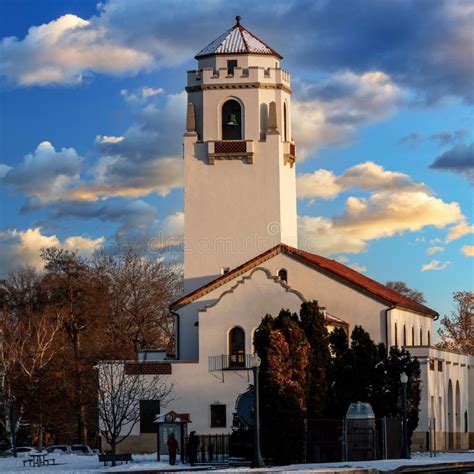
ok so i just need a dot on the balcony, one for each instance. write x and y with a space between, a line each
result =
230 150
289 153
223 362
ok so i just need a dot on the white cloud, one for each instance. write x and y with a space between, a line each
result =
45 174
384 214
367 176
434 249
328 112
434 265
64 50
142 161
21 248
321 183
468 250
318 235
458 231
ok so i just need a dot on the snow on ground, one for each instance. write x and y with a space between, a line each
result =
72 464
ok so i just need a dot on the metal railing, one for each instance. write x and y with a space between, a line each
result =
229 362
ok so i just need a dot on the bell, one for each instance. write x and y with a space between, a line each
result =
232 120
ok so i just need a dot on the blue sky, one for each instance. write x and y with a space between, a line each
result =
92 114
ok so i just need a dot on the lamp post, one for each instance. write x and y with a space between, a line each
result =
254 364
404 381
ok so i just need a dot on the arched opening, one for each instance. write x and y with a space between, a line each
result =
283 275
457 414
231 120
404 335
285 123
450 416
429 338
421 336
396 335
413 335
236 347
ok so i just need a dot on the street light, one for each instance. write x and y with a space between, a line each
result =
254 364
404 381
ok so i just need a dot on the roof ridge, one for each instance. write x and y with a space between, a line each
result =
336 269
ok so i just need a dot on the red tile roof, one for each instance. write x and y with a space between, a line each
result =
328 266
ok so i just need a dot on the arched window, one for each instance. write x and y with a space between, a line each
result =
285 123
421 336
413 335
404 335
283 275
231 120
396 335
236 347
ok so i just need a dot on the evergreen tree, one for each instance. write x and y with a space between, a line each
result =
284 350
339 374
314 326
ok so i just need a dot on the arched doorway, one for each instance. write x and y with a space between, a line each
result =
231 120
450 416
457 417
236 347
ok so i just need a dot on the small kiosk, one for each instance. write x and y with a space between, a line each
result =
167 423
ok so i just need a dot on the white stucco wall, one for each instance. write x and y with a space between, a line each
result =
435 391
195 387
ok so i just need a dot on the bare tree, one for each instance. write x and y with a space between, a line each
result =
141 291
119 400
457 331
402 288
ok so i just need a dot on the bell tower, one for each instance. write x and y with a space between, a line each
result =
239 173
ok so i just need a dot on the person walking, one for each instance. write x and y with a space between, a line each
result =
193 443
172 448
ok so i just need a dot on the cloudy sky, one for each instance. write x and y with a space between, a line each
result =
92 116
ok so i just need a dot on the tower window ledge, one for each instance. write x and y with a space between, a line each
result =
230 150
289 153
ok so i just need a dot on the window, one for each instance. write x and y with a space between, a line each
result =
440 365
396 335
231 120
429 339
148 410
404 335
285 123
231 64
413 335
218 416
431 364
421 337
283 275
225 270
236 347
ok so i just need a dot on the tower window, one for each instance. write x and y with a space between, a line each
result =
231 65
231 120
285 123
283 275
236 347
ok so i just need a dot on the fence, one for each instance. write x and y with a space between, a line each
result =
213 448
332 440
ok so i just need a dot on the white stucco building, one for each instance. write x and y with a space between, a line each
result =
241 260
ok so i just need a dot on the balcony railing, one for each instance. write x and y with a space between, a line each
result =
229 362
230 150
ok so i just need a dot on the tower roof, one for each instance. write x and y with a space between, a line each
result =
237 40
